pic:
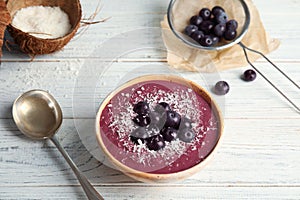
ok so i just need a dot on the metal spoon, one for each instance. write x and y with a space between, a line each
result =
38 115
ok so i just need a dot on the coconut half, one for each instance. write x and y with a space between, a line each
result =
4 21
37 46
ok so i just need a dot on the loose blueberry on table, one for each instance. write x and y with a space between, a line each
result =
249 75
221 88
160 125
211 26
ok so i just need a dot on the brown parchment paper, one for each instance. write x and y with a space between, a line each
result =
182 56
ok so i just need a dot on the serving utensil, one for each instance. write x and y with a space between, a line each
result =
38 115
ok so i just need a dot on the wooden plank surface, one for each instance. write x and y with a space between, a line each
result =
60 78
259 155
169 193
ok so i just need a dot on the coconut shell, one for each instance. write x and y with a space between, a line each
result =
4 21
36 46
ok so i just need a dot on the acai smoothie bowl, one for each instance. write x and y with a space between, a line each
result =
159 128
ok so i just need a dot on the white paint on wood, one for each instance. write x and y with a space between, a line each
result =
259 156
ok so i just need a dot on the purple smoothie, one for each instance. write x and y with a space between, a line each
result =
116 125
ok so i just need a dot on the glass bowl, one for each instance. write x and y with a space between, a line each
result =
180 12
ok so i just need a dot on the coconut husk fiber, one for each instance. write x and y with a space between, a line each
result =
4 21
33 45
182 56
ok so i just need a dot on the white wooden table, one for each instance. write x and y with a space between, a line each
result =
258 159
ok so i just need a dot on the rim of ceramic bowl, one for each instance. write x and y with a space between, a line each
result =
153 177
225 46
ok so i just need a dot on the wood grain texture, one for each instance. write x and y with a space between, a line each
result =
155 193
258 157
59 78
271 155
133 14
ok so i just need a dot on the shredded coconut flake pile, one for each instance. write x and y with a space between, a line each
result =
42 21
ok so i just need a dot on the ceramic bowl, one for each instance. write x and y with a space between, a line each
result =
178 159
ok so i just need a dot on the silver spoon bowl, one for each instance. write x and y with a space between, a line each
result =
38 115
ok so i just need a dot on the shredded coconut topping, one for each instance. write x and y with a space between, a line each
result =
182 100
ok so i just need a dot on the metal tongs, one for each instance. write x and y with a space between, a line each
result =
245 48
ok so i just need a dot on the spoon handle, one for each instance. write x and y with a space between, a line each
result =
90 191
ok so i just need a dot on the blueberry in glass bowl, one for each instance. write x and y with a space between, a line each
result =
228 20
